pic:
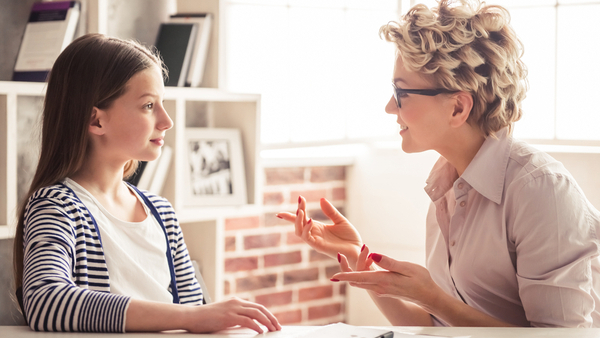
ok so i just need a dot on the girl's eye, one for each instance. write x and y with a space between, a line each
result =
403 95
149 106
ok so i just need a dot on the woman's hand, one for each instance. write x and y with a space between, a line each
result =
229 313
329 239
402 280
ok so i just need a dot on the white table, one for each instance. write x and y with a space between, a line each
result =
294 331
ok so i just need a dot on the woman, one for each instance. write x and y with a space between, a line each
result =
511 238
93 253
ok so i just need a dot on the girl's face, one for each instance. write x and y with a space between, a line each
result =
424 120
135 124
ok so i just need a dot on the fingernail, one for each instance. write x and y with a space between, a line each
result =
375 257
363 248
309 221
339 258
334 280
299 199
297 212
278 216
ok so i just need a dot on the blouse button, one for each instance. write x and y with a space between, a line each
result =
463 203
460 186
453 243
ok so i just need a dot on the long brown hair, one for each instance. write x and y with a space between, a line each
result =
91 72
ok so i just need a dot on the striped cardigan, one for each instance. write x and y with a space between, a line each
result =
66 286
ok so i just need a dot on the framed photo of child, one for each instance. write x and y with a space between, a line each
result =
214 167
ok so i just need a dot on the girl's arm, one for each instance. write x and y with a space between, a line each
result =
153 316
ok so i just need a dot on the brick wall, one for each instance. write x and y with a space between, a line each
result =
266 263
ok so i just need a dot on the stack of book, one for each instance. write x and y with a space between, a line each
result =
183 44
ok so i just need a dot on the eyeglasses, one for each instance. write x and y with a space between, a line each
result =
398 92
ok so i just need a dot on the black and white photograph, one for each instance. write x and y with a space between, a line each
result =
210 167
215 167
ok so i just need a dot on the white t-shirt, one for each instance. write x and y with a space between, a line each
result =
135 251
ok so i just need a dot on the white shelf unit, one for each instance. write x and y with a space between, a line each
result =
202 226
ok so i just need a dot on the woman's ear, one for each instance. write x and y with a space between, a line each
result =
462 109
96 121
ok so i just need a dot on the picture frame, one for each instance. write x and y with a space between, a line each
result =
214 171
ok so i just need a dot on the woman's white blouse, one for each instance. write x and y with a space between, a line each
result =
515 237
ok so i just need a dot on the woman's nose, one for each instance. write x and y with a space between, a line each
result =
392 106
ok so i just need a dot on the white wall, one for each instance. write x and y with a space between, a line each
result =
387 204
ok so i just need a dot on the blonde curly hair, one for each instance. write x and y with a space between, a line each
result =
466 46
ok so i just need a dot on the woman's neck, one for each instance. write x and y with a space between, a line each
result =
462 147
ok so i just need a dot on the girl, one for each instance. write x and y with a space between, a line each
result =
511 238
93 253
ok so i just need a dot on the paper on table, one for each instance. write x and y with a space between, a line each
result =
341 330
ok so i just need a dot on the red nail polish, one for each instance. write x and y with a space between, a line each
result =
339 258
279 216
375 257
299 199
334 280
363 248
297 211
309 221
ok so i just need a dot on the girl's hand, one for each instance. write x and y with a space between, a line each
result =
329 239
229 313
402 280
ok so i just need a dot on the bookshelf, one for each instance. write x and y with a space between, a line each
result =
203 227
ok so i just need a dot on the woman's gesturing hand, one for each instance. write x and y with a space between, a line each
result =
329 239
229 313
403 280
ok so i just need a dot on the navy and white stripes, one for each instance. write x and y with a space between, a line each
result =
66 286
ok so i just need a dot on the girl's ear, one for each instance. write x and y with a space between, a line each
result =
96 121
462 109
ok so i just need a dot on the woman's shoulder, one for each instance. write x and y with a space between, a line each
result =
530 163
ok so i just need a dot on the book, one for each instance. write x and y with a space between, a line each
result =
146 177
51 27
175 43
162 168
200 50
135 178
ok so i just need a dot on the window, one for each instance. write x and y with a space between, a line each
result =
324 73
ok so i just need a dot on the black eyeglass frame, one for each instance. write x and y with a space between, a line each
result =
426 92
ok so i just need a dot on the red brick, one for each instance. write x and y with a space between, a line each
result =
343 288
283 258
297 276
309 195
284 176
332 270
317 256
272 220
317 214
289 317
241 264
291 238
317 292
242 223
324 311
275 299
230 243
255 282
272 198
325 174
338 194
261 241
226 287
